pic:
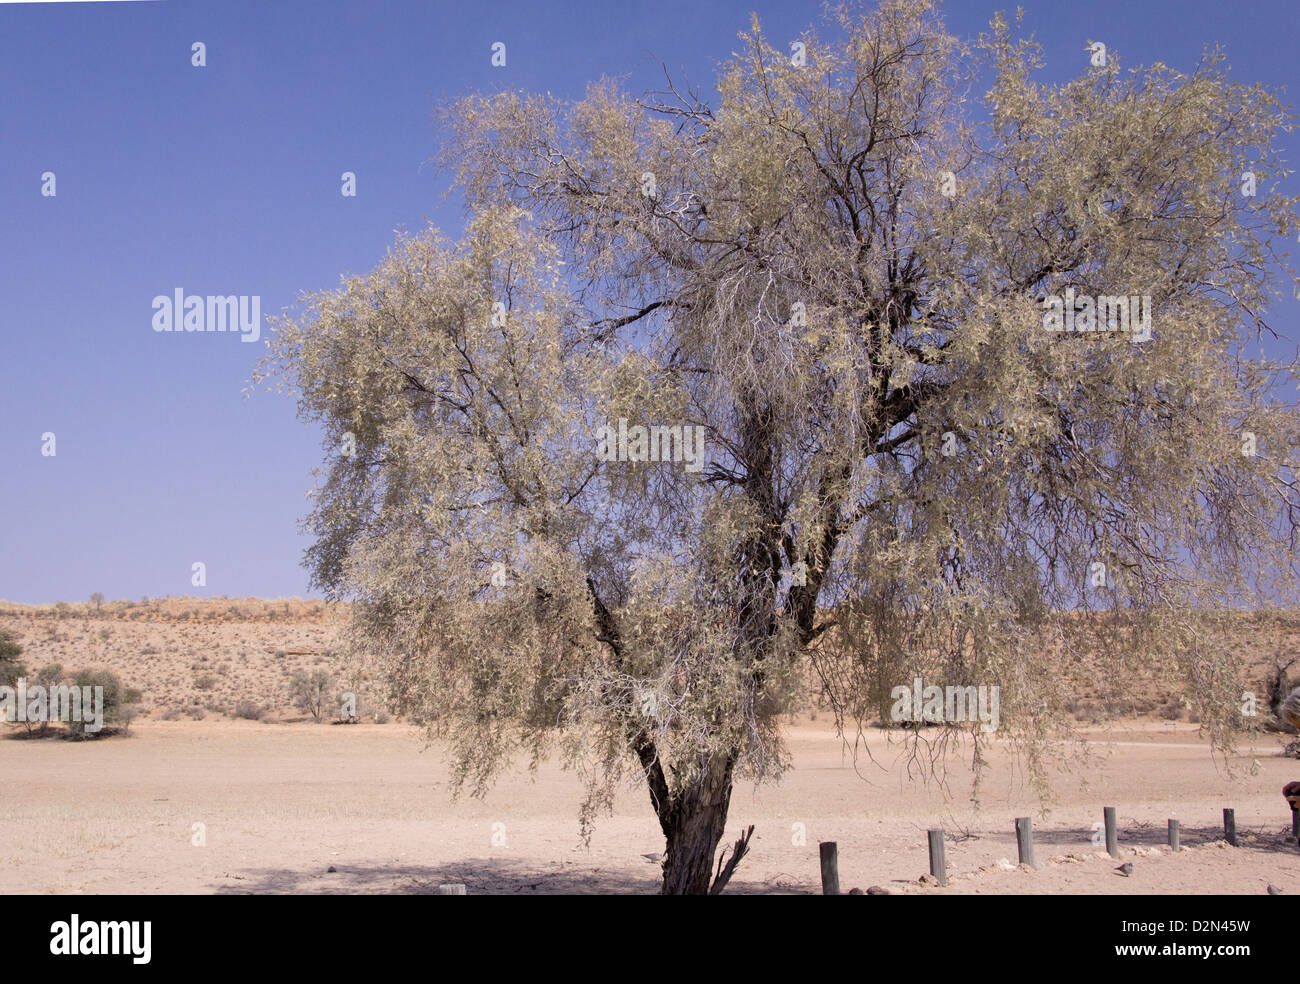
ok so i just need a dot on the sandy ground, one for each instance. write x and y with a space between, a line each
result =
280 804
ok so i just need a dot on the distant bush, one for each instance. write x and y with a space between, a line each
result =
10 668
205 682
311 691
248 710
131 699
115 698
47 676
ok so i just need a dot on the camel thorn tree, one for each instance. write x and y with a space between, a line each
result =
974 376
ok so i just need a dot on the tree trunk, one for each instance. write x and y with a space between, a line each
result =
693 826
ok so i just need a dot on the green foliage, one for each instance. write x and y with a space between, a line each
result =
114 697
10 666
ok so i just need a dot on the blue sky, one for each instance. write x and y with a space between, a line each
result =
225 179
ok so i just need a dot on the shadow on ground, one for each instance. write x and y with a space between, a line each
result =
479 876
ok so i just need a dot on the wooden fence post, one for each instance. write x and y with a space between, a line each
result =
1112 840
938 864
830 868
1025 840
1173 835
1230 826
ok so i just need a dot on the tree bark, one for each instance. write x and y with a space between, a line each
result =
693 826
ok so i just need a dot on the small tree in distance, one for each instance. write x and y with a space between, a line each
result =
11 668
50 675
311 691
839 272
113 694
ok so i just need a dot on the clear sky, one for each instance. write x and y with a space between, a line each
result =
225 179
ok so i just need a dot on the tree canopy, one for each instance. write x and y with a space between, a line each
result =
843 269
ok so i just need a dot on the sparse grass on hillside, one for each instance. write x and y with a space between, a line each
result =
190 656
238 656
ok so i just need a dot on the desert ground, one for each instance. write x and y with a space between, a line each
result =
195 799
282 804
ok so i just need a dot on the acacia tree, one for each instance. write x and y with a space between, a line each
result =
843 271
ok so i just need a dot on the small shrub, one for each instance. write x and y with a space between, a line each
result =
248 710
131 699
205 682
1172 711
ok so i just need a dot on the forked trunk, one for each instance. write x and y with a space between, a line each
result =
693 826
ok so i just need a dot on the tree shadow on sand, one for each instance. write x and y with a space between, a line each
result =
479 876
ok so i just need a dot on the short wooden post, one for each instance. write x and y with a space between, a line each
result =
451 889
1112 841
1295 824
830 868
1173 835
1230 826
938 864
1025 840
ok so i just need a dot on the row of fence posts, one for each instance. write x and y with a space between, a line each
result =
1024 848
1025 845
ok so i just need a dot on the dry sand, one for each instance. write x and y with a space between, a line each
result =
282 803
